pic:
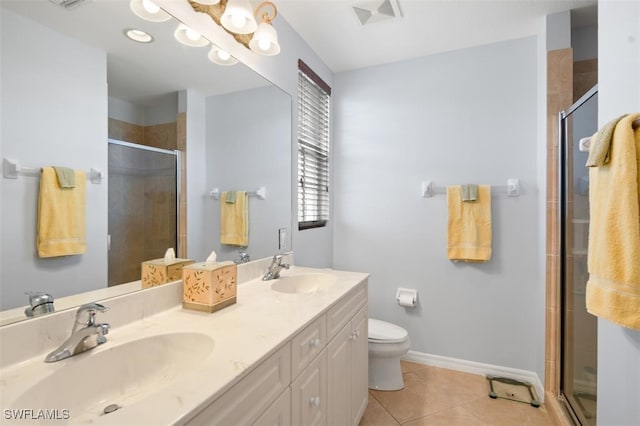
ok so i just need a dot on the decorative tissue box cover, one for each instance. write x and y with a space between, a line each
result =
159 271
209 288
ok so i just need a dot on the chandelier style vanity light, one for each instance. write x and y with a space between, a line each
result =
251 28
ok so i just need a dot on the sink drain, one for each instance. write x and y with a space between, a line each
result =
110 408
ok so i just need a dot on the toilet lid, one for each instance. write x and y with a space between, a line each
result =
384 331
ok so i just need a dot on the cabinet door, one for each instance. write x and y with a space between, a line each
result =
246 400
279 413
359 366
309 394
339 377
307 344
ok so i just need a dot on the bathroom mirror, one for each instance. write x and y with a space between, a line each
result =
56 92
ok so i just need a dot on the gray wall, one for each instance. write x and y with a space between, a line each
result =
468 116
47 66
248 145
619 93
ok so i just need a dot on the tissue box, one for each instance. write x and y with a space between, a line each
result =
209 287
159 271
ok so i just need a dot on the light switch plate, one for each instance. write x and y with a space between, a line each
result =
282 239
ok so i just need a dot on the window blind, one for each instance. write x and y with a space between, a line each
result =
314 97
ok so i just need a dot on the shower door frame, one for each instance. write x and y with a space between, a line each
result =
178 161
563 190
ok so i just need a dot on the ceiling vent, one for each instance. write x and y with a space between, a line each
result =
68 4
372 11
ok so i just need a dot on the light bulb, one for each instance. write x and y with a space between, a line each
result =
238 20
223 55
150 6
264 44
192 34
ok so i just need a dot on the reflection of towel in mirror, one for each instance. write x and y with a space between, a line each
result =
613 289
234 220
470 192
61 216
66 177
469 225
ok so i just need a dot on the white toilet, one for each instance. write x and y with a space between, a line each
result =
387 343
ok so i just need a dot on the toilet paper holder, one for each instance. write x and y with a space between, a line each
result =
407 297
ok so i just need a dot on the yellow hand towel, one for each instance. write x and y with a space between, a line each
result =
234 220
61 216
469 227
613 289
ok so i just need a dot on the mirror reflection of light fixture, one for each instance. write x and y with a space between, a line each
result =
189 37
235 17
138 35
148 10
221 57
265 39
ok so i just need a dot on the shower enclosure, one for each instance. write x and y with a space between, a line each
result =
579 328
143 207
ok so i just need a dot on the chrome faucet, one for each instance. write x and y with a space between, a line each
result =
39 304
275 268
244 257
83 333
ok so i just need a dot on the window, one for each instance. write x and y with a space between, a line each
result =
314 97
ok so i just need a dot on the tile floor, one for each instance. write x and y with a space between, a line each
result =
437 396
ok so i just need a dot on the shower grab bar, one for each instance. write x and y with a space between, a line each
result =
11 170
512 188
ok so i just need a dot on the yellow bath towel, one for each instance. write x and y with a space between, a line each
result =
469 228
234 220
61 216
613 289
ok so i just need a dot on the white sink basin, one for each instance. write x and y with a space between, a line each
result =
121 374
302 283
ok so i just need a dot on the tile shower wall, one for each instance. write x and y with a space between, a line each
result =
136 184
459 117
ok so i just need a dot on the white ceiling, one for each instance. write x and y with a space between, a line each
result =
331 28
145 74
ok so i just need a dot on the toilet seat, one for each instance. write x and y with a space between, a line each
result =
384 332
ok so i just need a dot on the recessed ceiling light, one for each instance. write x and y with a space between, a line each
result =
138 35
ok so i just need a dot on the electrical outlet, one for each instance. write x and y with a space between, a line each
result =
282 239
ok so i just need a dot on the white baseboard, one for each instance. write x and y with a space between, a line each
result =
477 368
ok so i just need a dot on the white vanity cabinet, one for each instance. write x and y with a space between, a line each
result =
325 382
347 366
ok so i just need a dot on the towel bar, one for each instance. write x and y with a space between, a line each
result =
260 193
11 170
512 188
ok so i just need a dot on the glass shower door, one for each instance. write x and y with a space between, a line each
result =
143 209
579 328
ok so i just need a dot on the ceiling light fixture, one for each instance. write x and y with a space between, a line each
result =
138 35
189 37
148 10
238 19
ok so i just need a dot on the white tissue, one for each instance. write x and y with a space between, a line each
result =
211 260
169 255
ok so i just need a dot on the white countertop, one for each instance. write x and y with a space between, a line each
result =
243 334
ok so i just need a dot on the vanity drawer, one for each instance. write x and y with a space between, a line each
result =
307 344
247 400
342 312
